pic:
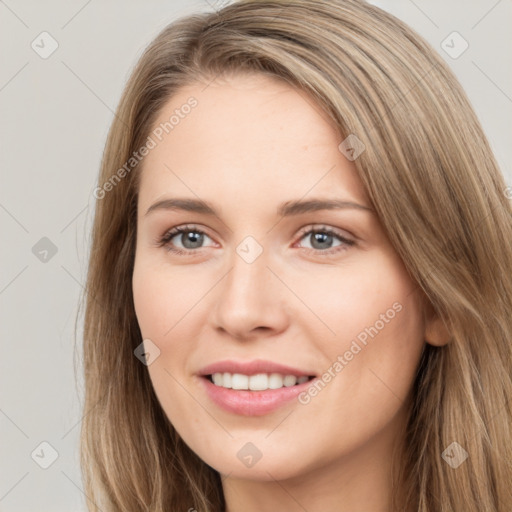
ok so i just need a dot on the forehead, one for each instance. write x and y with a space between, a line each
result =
250 137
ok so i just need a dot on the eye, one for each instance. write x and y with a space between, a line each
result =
321 238
190 237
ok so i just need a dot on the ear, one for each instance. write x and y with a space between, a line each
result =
436 332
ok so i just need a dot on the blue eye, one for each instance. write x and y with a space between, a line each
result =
184 233
191 238
324 236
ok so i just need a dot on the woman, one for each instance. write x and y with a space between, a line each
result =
228 366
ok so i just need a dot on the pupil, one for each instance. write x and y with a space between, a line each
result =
322 238
194 238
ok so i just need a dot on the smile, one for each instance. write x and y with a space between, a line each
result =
242 400
258 382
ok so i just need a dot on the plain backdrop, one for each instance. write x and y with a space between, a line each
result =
55 114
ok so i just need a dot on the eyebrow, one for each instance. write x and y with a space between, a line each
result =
286 209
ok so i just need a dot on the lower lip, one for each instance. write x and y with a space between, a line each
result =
252 403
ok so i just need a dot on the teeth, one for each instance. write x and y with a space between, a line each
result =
239 381
290 380
227 380
258 382
217 379
275 381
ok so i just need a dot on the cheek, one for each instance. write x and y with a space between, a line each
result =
170 306
373 356
376 331
160 299
367 291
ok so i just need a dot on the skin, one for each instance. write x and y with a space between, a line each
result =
250 144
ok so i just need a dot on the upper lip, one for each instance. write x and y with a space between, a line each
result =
252 368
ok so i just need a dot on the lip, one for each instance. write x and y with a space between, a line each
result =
252 403
252 368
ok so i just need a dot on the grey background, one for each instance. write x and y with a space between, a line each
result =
55 115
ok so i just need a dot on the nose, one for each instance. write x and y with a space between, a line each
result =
250 300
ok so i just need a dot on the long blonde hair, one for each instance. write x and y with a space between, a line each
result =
436 186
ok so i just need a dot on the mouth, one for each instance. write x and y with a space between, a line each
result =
253 387
272 392
258 382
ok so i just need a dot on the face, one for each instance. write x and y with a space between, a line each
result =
320 291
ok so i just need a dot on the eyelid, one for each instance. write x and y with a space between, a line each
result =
325 228
177 230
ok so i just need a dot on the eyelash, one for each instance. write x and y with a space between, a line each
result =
164 240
